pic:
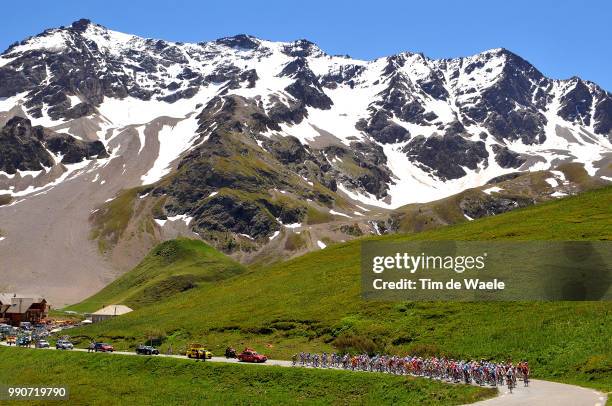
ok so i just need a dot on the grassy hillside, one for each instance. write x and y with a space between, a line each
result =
583 217
163 381
313 303
170 268
524 190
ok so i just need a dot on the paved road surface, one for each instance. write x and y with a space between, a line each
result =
547 393
539 393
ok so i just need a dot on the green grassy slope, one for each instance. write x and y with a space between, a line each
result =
170 268
583 217
313 303
163 381
525 189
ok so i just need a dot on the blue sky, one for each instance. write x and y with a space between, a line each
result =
561 38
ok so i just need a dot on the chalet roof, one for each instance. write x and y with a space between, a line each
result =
7 298
20 305
15 303
113 310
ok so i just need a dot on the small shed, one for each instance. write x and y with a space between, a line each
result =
108 312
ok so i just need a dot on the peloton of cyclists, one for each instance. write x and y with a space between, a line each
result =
481 372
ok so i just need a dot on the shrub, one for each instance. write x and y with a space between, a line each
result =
352 344
425 350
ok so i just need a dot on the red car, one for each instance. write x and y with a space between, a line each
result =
103 347
250 355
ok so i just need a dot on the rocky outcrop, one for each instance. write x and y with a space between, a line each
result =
376 177
240 41
231 214
398 99
361 167
287 150
576 104
490 205
603 116
503 178
344 75
292 112
445 155
306 87
25 147
351 229
506 158
22 147
382 129
72 150
301 48
511 107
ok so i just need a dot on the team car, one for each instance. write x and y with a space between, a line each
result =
250 355
198 351
103 347
63 345
147 350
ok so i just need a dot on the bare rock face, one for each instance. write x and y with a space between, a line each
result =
73 150
506 158
603 116
26 148
344 75
240 41
511 107
22 147
446 155
382 129
576 104
306 87
490 205
228 213
376 177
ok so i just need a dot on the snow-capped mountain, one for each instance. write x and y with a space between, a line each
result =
246 137
442 125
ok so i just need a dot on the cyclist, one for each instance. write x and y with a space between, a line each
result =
510 377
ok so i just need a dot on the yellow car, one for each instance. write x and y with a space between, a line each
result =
198 351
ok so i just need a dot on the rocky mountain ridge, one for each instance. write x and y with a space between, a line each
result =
263 148
72 72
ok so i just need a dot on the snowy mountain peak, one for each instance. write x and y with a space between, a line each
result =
432 126
240 41
82 24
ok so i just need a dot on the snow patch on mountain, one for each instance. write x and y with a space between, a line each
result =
173 140
70 171
493 189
